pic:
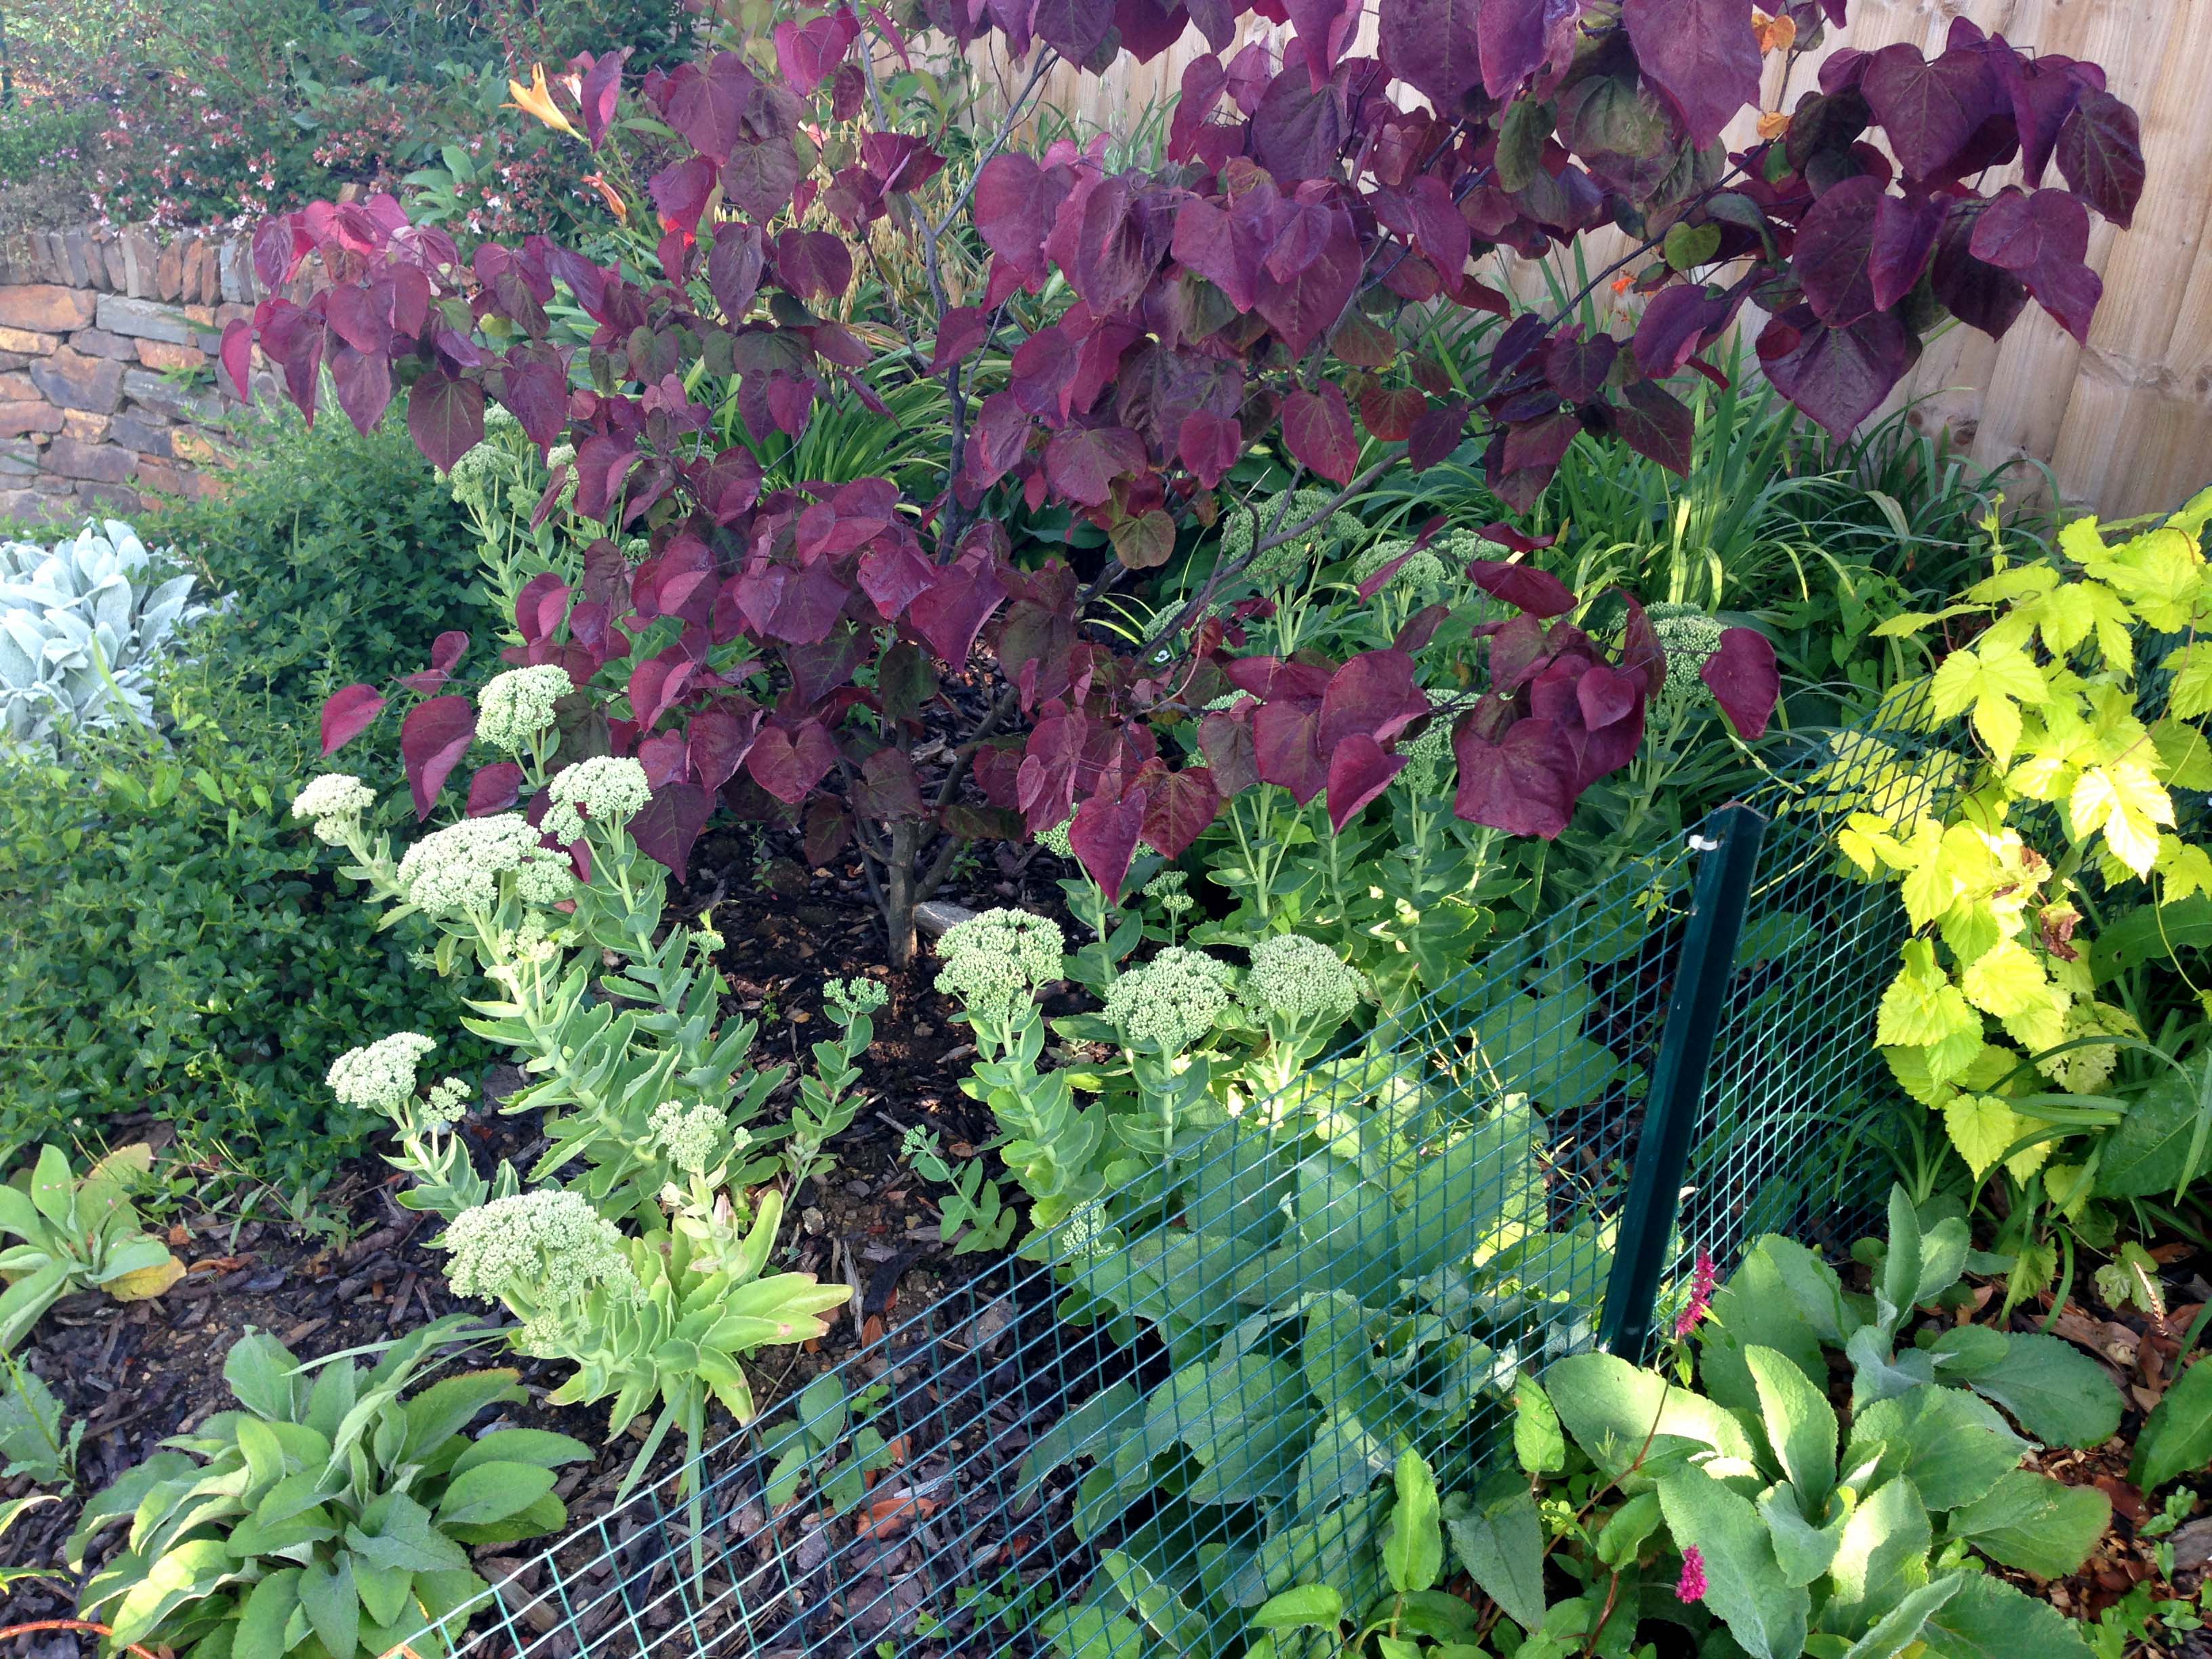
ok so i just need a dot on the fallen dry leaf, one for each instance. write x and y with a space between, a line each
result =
882 1517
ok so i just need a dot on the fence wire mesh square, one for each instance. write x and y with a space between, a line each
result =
1208 1376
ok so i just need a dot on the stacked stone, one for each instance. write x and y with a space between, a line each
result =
94 325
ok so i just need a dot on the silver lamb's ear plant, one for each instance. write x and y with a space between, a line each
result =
83 628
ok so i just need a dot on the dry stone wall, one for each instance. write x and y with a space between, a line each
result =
110 394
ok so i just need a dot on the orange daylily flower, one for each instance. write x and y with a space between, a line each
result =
1620 284
610 196
537 99
1773 123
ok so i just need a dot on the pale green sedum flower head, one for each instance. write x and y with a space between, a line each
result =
1279 564
1171 1001
604 789
514 708
691 1134
1430 764
548 1249
457 869
380 1076
334 802
448 1102
1689 637
1296 981
992 961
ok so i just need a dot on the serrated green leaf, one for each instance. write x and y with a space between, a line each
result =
2177 1438
1988 1618
2054 1391
1498 1541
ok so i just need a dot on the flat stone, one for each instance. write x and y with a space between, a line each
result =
85 429
144 387
164 478
100 494
137 432
99 342
47 306
27 509
162 355
100 463
142 320
140 253
30 344
190 444
234 271
16 419
18 388
19 458
119 274
12 360
86 268
169 273
76 382
195 269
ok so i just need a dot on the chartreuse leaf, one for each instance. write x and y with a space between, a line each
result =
2033 1522
2177 1438
1414 1545
1743 1580
2054 1391
1498 1540
1988 1618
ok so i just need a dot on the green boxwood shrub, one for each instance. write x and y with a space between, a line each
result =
170 940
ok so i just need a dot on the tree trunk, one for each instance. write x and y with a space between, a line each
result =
899 895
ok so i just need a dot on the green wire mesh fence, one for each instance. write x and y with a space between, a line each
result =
1194 1400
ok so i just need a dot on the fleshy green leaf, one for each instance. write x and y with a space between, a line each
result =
1988 1618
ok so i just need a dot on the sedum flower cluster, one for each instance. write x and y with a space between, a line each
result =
1430 764
448 1102
1435 566
1168 890
690 1133
544 1252
855 995
380 1076
457 869
1689 637
604 789
514 708
1056 841
334 803
1299 982
1171 1001
1278 564
992 961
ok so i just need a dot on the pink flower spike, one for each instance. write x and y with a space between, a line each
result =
1692 1585
1702 1277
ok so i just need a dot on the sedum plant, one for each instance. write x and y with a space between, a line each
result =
76 1233
331 1516
83 627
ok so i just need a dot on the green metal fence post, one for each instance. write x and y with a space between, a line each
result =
1730 841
